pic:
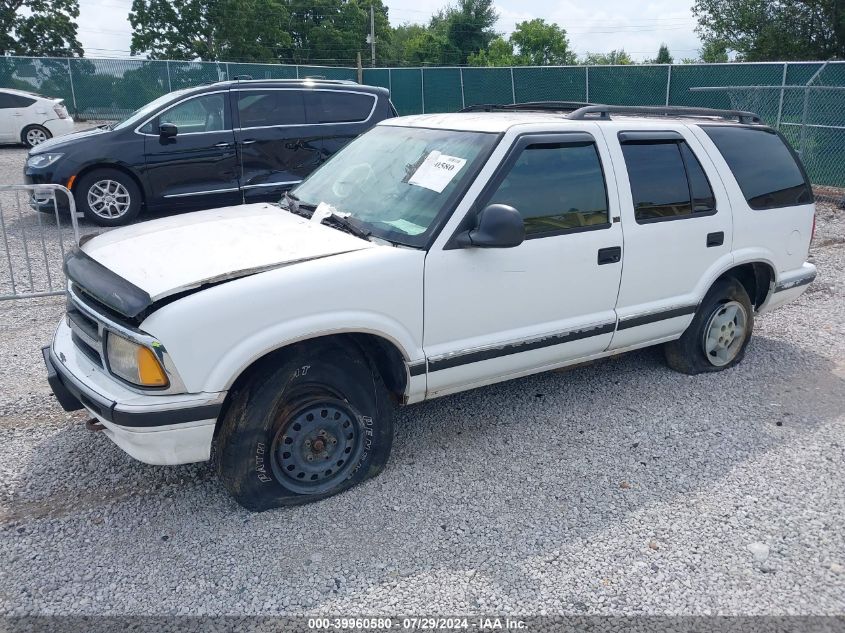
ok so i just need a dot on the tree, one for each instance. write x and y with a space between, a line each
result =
39 28
613 58
209 30
468 26
318 32
498 53
663 55
774 30
541 44
713 52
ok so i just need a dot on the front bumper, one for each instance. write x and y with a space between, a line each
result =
155 429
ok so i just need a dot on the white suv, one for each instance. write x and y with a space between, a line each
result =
433 254
30 118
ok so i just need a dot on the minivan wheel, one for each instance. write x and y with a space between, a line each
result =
33 135
719 333
108 197
311 422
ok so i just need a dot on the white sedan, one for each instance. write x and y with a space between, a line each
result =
30 118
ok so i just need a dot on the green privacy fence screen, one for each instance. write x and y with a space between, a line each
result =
804 100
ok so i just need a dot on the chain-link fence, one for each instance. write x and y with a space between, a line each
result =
805 100
110 89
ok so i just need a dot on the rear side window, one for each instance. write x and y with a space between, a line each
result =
8 100
764 166
269 108
325 106
556 187
667 181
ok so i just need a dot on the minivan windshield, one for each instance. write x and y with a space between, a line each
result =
144 111
396 181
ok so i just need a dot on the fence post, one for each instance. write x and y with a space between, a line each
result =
297 71
169 84
513 88
72 91
390 82
668 84
422 89
463 97
228 74
780 102
803 137
587 82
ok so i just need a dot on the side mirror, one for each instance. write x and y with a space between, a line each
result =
167 130
499 226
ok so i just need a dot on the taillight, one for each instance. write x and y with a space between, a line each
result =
61 110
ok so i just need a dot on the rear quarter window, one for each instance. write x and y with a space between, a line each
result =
327 106
8 100
766 169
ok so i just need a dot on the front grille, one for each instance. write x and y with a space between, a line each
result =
86 333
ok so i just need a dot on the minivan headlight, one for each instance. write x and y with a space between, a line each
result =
42 160
134 363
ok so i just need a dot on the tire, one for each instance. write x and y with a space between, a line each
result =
323 401
108 197
33 135
726 314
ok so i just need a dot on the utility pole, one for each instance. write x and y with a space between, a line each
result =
372 37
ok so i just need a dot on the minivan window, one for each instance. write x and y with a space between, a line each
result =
764 166
207 113
269 108
667 181
326 106
556 187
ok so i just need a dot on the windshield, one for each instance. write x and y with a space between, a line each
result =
396 181
144 111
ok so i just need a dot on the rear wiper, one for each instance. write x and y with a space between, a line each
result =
294 205
345 224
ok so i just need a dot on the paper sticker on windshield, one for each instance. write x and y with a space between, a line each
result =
437 171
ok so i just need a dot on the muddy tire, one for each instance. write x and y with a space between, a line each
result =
309 423
719 333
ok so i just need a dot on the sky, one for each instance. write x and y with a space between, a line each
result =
592 26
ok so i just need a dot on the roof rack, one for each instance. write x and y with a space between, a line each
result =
603 112
316 79
544 106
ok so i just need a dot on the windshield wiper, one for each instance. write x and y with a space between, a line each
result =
294 205
345 224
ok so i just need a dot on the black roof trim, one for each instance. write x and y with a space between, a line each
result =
529 106
603 112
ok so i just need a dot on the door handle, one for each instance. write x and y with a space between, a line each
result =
248 142
715 239
222 144
610 255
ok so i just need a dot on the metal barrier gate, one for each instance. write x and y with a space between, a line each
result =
35 242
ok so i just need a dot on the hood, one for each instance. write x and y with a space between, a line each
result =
171 255
60 142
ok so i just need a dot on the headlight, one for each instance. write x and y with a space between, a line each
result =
42 160
134 363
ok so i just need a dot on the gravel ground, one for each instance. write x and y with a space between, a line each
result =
616 488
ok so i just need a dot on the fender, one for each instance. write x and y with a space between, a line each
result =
236 360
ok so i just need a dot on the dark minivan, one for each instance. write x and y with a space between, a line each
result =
210 146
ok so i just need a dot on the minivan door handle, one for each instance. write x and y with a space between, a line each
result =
610 255
715 239
223 144
248 142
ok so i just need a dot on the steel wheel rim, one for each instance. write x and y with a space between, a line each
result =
725 333
318 446
35 137
108 199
